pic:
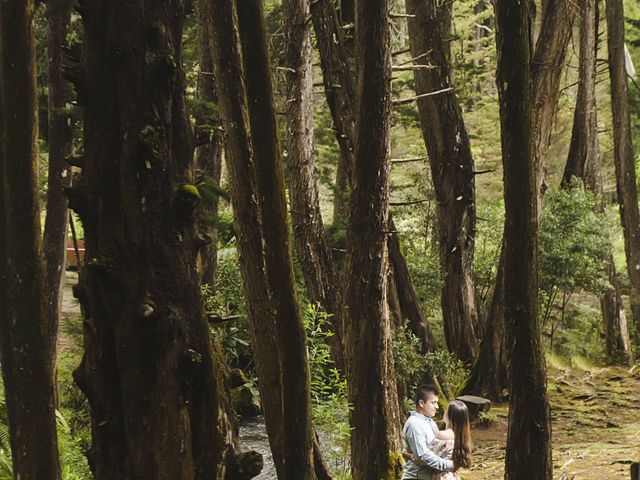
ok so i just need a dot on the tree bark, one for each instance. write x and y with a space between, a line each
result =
546 70
225 45
339 90
24 329
312 246
451 161
375 438
289 328
54 243
257 198
528 452
626 185
583 162
547 66
340 93
153 381
208 158
489 376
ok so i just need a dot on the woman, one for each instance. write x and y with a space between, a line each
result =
454 442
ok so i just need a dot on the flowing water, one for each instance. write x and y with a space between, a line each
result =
253 436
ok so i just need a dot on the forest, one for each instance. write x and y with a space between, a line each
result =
237 236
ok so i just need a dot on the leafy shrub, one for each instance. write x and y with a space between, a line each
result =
574 247
328 393
412 366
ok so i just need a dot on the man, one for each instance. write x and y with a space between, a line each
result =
418 431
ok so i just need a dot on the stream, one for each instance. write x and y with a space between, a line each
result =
253 436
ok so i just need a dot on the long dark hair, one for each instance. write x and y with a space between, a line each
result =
459 422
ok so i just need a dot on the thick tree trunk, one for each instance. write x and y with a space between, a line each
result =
340 93
626 185
375 439
60 137
546 71
289 328
153 382
447 143
528 452
583 162
311 243
24 329
208 158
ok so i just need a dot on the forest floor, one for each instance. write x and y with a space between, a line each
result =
595 416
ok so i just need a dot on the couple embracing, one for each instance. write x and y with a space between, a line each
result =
432 454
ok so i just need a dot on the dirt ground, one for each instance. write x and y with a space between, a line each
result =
595 426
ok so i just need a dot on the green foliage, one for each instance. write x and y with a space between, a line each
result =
328 393
412 367
574 247
580 334
574 243
228 300
486 419
489 228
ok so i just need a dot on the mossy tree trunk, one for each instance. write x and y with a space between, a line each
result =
153 381
375 438
257 195
289 328
60 136
452 171
312 246
623 155
24 328
208 157
583 162
528 452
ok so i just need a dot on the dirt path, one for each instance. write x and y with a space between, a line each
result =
70 311
595 423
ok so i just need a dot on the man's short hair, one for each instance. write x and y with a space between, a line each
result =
423 392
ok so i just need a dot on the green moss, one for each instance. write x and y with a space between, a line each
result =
395 465
188 190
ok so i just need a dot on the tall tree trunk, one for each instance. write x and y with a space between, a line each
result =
225 45
375 446
339 90
257 197
546 71
24 328
340 93
583 162
311 242
60 137
290 333
547 65
447 143
489 376
626 185
528 452
208 158
153 382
